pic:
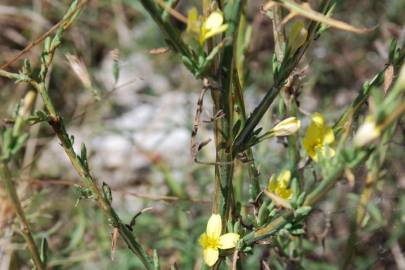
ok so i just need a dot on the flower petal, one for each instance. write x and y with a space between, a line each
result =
284 177
367 132
272 184
228 240
192 21
318 119
329 137
214 20
313 134
287 127
210 256
284 192
214 226
307 143
215 31
203 240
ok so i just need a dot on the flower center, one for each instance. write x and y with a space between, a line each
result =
209 242
318 144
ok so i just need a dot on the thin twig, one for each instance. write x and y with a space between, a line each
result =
172 12
15 201
40 39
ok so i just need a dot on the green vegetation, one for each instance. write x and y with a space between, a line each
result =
295 123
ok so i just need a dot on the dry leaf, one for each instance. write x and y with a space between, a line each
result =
159 50
277 200
306 11
114 238
388 76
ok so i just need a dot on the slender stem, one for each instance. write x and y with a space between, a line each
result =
278 32
354 109
172 35
223 100
20 120
15 201
254 188
283 72
9 75
314 197
333 176
58 126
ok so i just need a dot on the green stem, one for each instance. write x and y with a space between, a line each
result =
58 126
23 112
278 32
10 75
282 73
223 101
254 188
15 201
172 35
314 197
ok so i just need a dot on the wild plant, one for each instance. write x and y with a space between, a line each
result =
213 49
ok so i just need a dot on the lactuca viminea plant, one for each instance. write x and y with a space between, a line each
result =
52 117
214 58
214 55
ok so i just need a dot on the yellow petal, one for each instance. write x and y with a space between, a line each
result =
228 240
272 184
284 177
318 119
329 137
284 192
214 226
214 20
317 135
192 21
212 32
314 155
313 134
309 146
211 256
287 127
203 240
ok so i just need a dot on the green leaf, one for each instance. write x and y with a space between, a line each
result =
44 251
107 192
19 143
263 214
156 263
303 211
236 128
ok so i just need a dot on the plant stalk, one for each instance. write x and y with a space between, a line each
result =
58 126
15 201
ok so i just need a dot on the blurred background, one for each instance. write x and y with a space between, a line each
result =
136 116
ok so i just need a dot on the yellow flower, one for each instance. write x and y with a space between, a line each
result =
286 127
193 24
367 132
212 240
279 186
211 26
318 138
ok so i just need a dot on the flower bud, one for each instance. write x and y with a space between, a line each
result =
366 133
286 127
